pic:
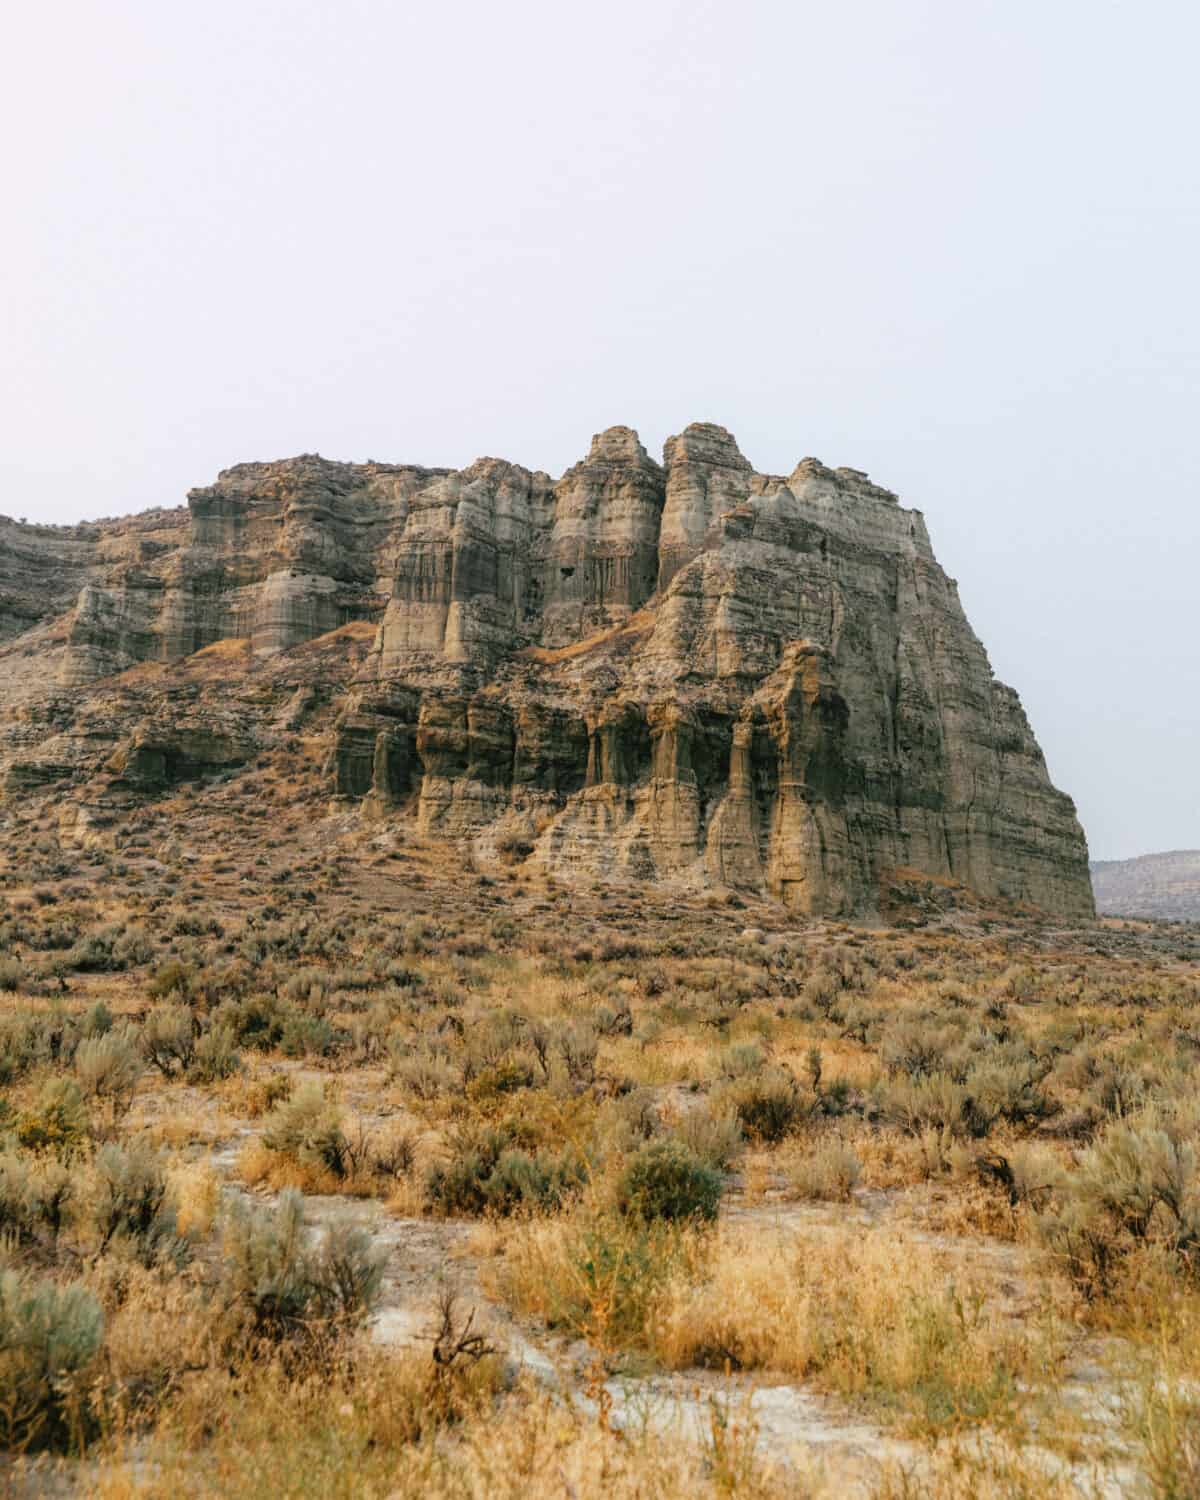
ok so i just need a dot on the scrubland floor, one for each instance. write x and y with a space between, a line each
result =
330 1166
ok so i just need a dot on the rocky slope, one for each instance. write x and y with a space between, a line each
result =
1153 885
686 672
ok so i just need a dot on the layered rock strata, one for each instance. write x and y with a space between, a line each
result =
686 671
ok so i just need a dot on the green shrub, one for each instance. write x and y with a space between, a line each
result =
57 1121
169 1039
1136 1184
128 1202
49 1336
489 1174
929 1102
505 1077
769 1106
108 1066
172 978
110 950
257 1021
621 1263
284 1283
12 975
97 1020
307 1036
665 1180
215 1057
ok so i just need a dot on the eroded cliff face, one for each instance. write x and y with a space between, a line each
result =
687 672
277 553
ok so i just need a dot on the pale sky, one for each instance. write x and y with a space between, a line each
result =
953 242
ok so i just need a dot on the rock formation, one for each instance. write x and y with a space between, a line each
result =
684 672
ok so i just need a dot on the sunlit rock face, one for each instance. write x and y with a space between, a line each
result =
683 671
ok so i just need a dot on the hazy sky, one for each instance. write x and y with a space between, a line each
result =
952 242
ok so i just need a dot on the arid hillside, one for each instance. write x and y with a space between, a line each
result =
1153 885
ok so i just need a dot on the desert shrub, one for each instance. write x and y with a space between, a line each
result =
715 1137
215 1056
1009 1088
308 1128
49 1336
257 1021
828 1171
1116 1088
56 1121
492 1037
578 1046
394 1154
12 975
110 950
258 1096
97 1020
822 989
610 1022
309 987
666 1180
29 1039
769 1106
1086 1245
488 1174
346 1274
169 1039
173 978
275 1275
635 1119
15 1217
917 1047
370 1034
306 1035
128 1202
108 1066
926 1102
421 1071
1136 1169
599 1276
742 1060
504 1077
1136 1184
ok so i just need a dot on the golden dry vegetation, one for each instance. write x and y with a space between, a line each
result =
331 1167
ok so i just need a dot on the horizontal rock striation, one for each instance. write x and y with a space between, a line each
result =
686 672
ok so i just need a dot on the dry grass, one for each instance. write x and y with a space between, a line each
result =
868 1314
196 1187
384 1433
361 949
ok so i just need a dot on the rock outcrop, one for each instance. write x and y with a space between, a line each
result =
688 672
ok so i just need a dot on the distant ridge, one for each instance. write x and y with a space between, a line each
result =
1152 885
